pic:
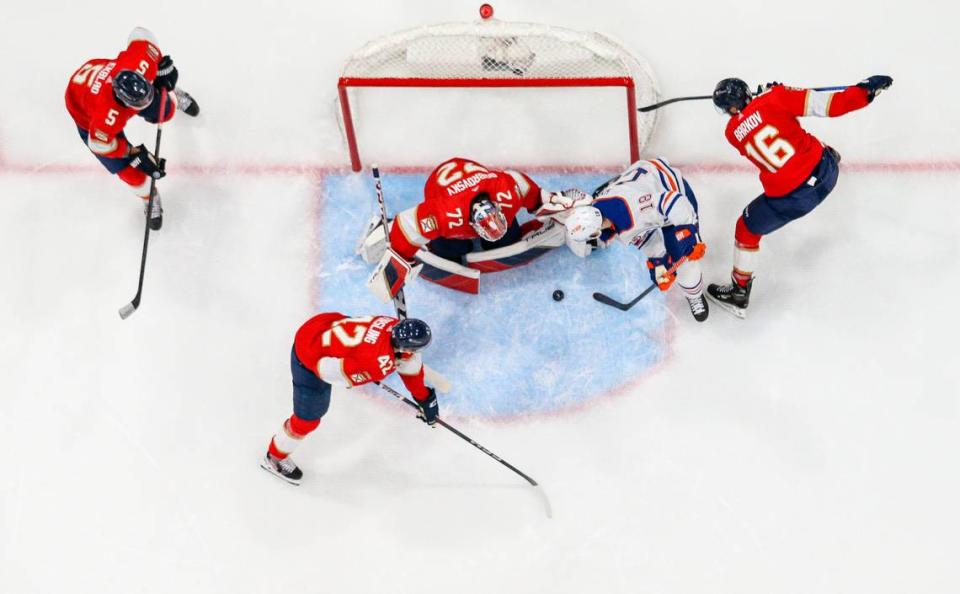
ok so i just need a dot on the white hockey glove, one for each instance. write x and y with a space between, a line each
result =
557 205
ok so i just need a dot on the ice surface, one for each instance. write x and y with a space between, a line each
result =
513 350
810 448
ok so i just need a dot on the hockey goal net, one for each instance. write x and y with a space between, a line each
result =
502 55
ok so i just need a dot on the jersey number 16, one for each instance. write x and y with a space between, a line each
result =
768 150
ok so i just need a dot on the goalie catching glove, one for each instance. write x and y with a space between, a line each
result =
559 205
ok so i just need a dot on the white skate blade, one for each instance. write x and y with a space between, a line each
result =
266 466
738 312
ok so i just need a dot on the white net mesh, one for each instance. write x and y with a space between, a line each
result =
503 54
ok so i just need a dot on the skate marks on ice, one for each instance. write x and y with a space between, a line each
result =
512 350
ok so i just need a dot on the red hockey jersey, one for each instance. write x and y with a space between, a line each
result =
447 196
767 132
90 99
363 347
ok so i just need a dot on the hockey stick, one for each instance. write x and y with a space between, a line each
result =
456 432
607 300
127 310
647 108
399 301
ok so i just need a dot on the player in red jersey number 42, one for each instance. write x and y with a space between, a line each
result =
102 96
796 170
332 349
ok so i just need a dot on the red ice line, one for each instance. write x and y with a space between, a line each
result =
314 170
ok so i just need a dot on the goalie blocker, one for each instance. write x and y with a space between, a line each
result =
390 275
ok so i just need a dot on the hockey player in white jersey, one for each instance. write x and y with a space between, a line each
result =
652 207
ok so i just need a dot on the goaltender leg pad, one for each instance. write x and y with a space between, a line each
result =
533 245
390 275
448 274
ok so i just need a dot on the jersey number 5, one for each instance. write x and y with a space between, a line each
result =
768 150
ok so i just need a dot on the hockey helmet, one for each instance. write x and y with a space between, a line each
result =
410 335
486 218
584 223
731 93
132 89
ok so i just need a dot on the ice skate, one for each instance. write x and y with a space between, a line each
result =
698 307
732 297
186 103
285 469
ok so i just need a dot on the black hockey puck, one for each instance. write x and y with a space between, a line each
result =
558 295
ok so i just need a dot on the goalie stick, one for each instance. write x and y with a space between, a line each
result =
399 301
127 310
653 106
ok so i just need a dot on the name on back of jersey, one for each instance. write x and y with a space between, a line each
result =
467 183
747 126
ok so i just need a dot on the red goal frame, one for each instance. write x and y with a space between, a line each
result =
347 82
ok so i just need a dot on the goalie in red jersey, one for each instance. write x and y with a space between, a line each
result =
332 349
466 224
796 170
104 94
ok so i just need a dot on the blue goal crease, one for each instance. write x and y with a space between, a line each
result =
511 350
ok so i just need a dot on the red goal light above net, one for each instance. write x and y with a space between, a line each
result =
496 54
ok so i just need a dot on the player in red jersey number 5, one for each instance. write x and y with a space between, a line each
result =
102 96
796 170
332 349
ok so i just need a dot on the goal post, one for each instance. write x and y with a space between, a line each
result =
497 54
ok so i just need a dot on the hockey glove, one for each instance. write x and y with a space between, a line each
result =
660 272
146 162
559 204
688 242
875 84
429 408
769 85
166 74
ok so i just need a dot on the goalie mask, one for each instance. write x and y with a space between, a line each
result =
584 223
410 335
132 89
487 220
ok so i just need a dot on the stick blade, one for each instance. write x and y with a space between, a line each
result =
127 310
610 301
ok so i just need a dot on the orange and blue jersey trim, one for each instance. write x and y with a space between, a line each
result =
668 177
667 202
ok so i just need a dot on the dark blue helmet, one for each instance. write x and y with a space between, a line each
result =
730 93
410 335
132 89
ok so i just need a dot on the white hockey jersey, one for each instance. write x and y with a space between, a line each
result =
646 197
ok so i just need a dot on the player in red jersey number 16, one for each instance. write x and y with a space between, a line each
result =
796 170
